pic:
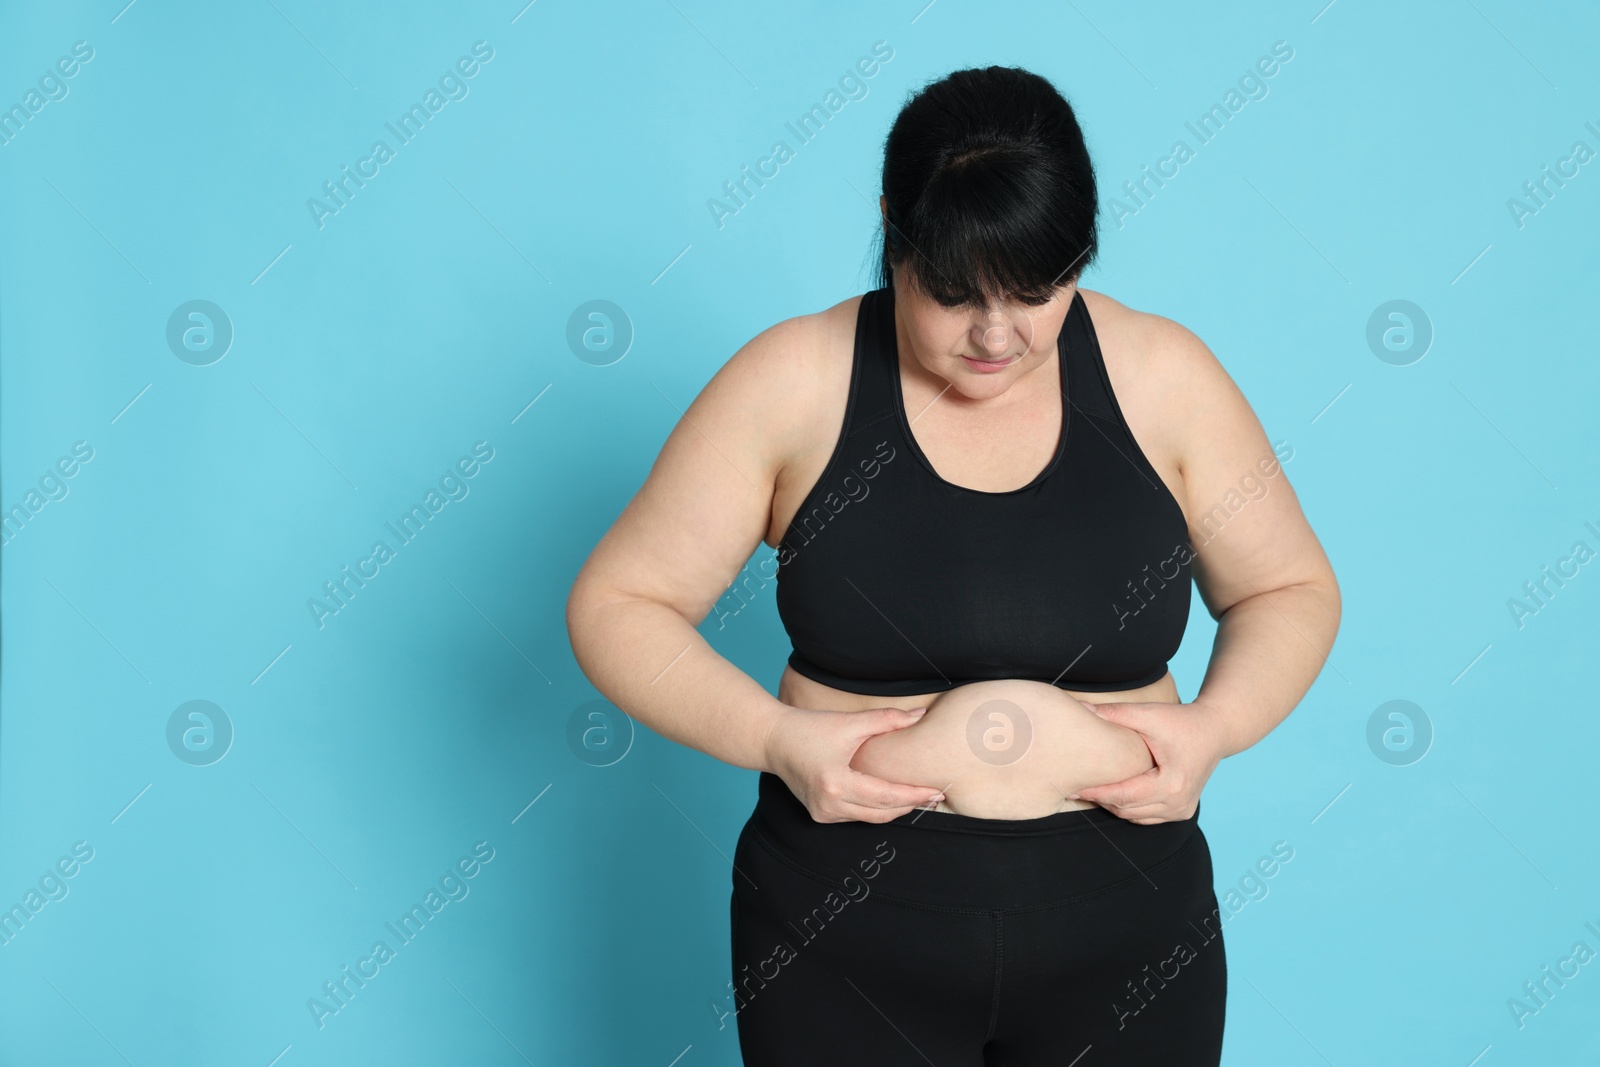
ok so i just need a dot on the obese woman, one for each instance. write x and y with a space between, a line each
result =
976 840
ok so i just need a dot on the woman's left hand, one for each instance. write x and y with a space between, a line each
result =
1186 743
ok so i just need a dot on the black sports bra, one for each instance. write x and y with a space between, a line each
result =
893 581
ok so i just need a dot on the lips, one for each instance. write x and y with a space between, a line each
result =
989 366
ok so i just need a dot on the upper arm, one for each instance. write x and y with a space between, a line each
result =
707 501
1245 523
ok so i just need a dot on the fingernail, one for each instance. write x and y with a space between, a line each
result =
918 711
936 799
1074 797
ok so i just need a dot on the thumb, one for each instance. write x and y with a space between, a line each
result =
1111 712
889 719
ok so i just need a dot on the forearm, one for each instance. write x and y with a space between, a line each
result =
651 663
1268 650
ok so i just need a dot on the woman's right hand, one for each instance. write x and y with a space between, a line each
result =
811 751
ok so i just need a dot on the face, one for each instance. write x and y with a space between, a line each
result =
980 351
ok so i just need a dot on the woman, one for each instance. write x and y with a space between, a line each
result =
976 839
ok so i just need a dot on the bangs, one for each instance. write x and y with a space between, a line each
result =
987 229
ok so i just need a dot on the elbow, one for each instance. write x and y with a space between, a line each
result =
1335 602
576 600
1323 586
591 617
1326 588
586 620
581 601
1328 584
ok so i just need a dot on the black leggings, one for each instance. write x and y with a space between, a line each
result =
962 942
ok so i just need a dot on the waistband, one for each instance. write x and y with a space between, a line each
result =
900 687
961 862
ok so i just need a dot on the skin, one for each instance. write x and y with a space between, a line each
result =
738 464
1042 743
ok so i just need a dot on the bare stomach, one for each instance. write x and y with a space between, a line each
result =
1006 749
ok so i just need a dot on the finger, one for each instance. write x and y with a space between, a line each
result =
1123 713
867 791
1152 811
1164 808
856 813
847 811
1135 790
1142 810
889 719
1155 813
1123 802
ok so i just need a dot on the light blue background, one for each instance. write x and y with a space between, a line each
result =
434 709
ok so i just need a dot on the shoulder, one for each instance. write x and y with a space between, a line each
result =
790 376
1143 343
799 346
1163 373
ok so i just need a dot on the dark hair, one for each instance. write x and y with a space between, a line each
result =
989 189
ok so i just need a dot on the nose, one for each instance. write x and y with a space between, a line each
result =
997 337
